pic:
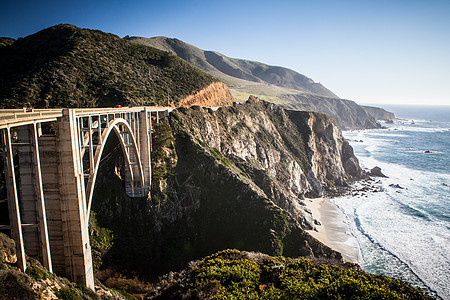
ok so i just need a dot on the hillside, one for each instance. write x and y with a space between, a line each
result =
38 283
66 66
271 83
228 69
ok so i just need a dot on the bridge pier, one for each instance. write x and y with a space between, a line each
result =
145 138
74 217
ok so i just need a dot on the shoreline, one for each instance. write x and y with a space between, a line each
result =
333 231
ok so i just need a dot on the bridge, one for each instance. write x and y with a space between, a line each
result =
51 159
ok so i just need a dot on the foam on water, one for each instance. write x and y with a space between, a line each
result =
404 231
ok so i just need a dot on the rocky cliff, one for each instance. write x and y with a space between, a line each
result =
290 154
216 94
379 113
231 178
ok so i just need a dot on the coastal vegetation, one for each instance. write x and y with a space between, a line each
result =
232 274
227 274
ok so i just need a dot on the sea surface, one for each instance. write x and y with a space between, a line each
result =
404 230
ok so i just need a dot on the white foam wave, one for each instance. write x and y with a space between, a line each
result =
407 226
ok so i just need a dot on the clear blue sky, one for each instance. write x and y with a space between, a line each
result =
369 51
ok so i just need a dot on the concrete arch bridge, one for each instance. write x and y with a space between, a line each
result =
51 159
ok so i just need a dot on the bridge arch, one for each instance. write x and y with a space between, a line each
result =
130 150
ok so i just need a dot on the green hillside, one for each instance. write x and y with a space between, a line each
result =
237 72
66 66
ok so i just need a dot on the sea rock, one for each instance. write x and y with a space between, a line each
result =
397 186
376 171
427 151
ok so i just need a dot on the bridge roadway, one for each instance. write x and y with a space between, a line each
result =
51 159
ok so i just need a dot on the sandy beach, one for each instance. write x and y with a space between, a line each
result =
333 231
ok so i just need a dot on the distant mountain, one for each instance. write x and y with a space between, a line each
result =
66 66
228 69
275 84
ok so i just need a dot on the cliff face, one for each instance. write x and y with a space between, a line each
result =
216 94
379 113
332 159
231 178
265 140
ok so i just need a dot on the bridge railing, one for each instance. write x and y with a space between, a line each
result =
24 116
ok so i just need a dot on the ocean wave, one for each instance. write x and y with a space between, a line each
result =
405 228
381 247
408 208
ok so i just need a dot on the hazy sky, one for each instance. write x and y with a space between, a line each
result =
369 51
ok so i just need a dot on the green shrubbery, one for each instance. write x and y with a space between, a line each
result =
232 274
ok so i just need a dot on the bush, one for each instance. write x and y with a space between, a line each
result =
232 274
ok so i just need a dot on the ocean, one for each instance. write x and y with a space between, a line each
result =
404 230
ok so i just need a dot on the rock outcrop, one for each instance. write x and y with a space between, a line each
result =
376 171
216 94
332 158
266 138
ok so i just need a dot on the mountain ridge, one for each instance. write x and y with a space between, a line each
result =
276 84
219 64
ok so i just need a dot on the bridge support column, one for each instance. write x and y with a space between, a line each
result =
145 138
13 200
77 250
32 204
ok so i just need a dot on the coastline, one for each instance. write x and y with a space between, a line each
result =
333 230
